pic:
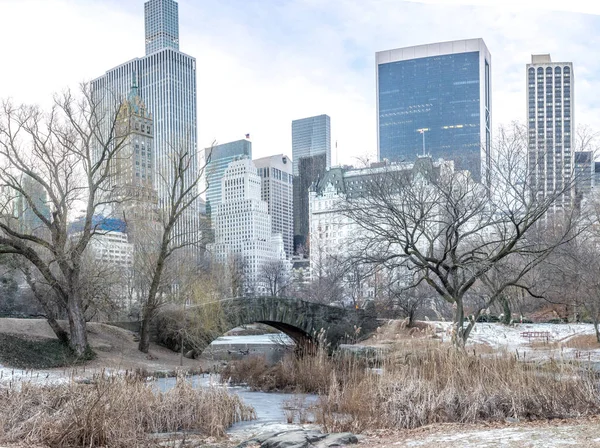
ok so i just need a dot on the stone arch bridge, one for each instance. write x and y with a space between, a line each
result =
302 321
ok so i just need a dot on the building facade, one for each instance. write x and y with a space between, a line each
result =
242 227
166 82
310 137
550 128
217 159
277 191
311 154
334 235
436 99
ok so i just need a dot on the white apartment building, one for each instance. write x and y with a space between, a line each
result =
242 225
333 235
278 192
112 248
550 126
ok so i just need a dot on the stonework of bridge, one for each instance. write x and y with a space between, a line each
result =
302 321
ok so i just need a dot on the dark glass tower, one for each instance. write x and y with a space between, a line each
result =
436 100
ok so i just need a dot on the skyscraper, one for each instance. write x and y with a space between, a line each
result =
311 154
550 127
277 191
436 99
133 189
310 137
242 226
166 80
217 159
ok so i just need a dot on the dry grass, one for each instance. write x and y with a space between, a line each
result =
120 411
582 342
431 384
309 374
442 385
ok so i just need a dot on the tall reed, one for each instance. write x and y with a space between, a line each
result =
117 411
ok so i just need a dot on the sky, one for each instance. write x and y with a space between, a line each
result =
263 63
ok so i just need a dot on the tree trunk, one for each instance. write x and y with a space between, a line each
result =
144 344
506 308
61 334
596 328
459 317
78 338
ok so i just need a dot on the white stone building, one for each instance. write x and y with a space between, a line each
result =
277 191
242 226
333 235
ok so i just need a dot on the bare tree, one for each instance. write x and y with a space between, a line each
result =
67 155
174 233
274 274
452 231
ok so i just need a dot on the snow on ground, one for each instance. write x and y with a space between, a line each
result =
510 338
12 377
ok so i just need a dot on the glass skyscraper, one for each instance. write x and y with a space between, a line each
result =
166 80
310 137
311 155
162 25
436 99
217 160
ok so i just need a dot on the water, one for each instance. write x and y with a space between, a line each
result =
269 407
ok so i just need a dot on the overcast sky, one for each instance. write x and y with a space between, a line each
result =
263 63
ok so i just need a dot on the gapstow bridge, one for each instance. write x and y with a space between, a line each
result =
304 322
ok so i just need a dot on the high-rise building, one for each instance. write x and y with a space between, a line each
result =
161 25
166 80
310 170
277 191
550 128
436 99
310 137
242 226
133 192
311 154
217 159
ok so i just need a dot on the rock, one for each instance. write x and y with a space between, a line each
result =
342 439
299 438
511 420
190 354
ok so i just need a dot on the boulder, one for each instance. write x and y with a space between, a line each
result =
299 438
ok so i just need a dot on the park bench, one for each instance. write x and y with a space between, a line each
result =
536 335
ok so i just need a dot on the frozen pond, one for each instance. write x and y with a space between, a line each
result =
269 407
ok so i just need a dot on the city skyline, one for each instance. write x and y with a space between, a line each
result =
283 71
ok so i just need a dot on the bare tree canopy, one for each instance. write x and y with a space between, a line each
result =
53 164
454 233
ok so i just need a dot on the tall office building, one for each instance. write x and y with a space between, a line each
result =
277 191
166 80
550 127
310 137
311 154
242 226
217 159
133 190
436 99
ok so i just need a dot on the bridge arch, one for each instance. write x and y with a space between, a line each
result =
302 321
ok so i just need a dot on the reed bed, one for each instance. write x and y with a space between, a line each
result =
116 411
434 384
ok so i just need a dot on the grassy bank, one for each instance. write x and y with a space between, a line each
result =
431 384
34 353
121 411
